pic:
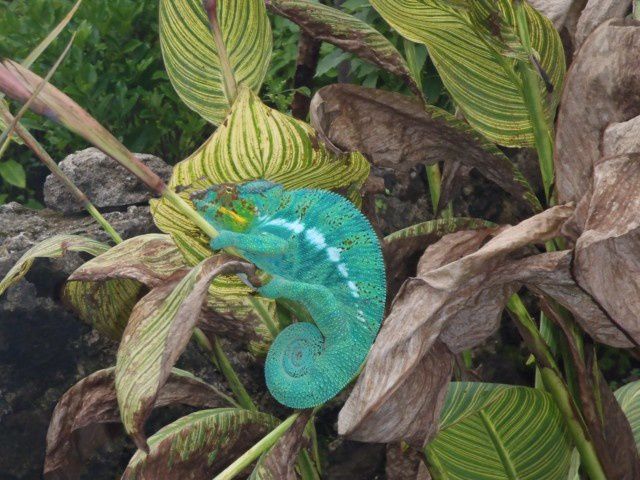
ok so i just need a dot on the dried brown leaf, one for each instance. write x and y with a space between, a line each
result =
81 417
396 132
279 462
600 89
453 306
607 258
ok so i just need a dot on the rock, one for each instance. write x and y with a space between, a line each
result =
102 179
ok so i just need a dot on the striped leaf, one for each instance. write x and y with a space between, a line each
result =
103 291
254 142
191 58
158 331
54 247
629 399
348 33
438 228
473 50
90 405
490 431
199 445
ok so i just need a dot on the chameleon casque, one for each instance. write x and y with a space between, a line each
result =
322 253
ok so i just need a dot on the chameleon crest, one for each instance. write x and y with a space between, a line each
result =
322 253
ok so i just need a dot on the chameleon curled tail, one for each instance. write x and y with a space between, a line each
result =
322 253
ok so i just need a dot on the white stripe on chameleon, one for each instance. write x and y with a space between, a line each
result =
316 238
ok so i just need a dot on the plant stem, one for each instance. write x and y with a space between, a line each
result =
535 105
228 78
244 399
251 455
434 179
265 316
555 385
33 144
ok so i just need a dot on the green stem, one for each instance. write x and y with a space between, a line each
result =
228 78
307 470
555 385
535 105
244 399
42 154
251 455
265 316
434 178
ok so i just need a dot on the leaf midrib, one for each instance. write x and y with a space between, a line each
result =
510 468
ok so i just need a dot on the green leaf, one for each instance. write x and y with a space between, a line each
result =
629 399
347 32
199 445
190 55
13 173
159 328
476 62
54 247
438 228
490 431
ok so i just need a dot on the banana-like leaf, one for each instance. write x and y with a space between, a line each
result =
348 33
103 291
191 58
629 399
199 445
54 247
88 408
490 431
158 331
473 50
254 142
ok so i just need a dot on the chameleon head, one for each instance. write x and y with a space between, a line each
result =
232 206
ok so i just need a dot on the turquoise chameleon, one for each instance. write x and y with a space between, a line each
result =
322 253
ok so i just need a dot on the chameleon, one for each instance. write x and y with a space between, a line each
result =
319 251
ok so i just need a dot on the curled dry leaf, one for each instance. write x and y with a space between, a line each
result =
279 462
452 305
199 445
82 414
103 291
19 83
595 13
403 248
607 258
54 247
396 132
158 331
600 89
347 32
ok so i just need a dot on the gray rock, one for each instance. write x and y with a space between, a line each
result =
102 179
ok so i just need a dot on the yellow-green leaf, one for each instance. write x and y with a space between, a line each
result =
191 58
490 431
199 445
158 330
476 64
629 399
104 290
53 247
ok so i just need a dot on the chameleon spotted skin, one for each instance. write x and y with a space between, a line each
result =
322 253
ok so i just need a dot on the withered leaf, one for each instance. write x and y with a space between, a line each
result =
347 32
396 132
456 305
200 445
81 416
279 462
158 331
600 89
607 258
